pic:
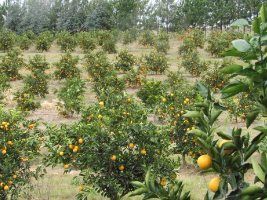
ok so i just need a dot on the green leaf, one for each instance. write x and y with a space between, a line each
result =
261 129
231 69
203 90
251 190
240 23
147 178
192 114
258 171
251 118
264 162
233 89
251 55
198 133
241 45
224 136
263 13
138 192
252 148
137 184
258 138
214 115
256 25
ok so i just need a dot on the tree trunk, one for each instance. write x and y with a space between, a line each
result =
184 160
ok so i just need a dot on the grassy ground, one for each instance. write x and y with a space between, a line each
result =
58 186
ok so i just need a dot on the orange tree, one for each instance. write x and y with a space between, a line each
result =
103 75
129 36
11 63
4 85
97 65
37 83
179 98
120 145
147 38
219 41
193 64
24 42
68 105
214 77
162 44
254 72
134 78
114 129
86 41
26 101
152 92
156 62
125 61
239 105
7 39
229 156
20 143
66 41
67 67
117 131
44 41
187 47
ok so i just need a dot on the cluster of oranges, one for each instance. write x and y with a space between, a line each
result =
5 126
73 148
205 162
186 101
6 186
131 146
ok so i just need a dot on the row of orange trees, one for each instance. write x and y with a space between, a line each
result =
116 147
229 154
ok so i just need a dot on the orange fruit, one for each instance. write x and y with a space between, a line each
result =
66 166
81 188
121 167
113 158
61 153
131 145
6 187
80 141
3 151
71 146
214 184
75 149
10 143
163 181
31 126
143 151
204 162
101 104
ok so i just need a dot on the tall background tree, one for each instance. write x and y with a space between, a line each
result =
82 15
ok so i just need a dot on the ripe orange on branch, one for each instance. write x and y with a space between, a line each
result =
214 184
204 162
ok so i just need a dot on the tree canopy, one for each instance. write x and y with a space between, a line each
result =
83 15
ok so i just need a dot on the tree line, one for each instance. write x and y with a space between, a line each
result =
84 15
